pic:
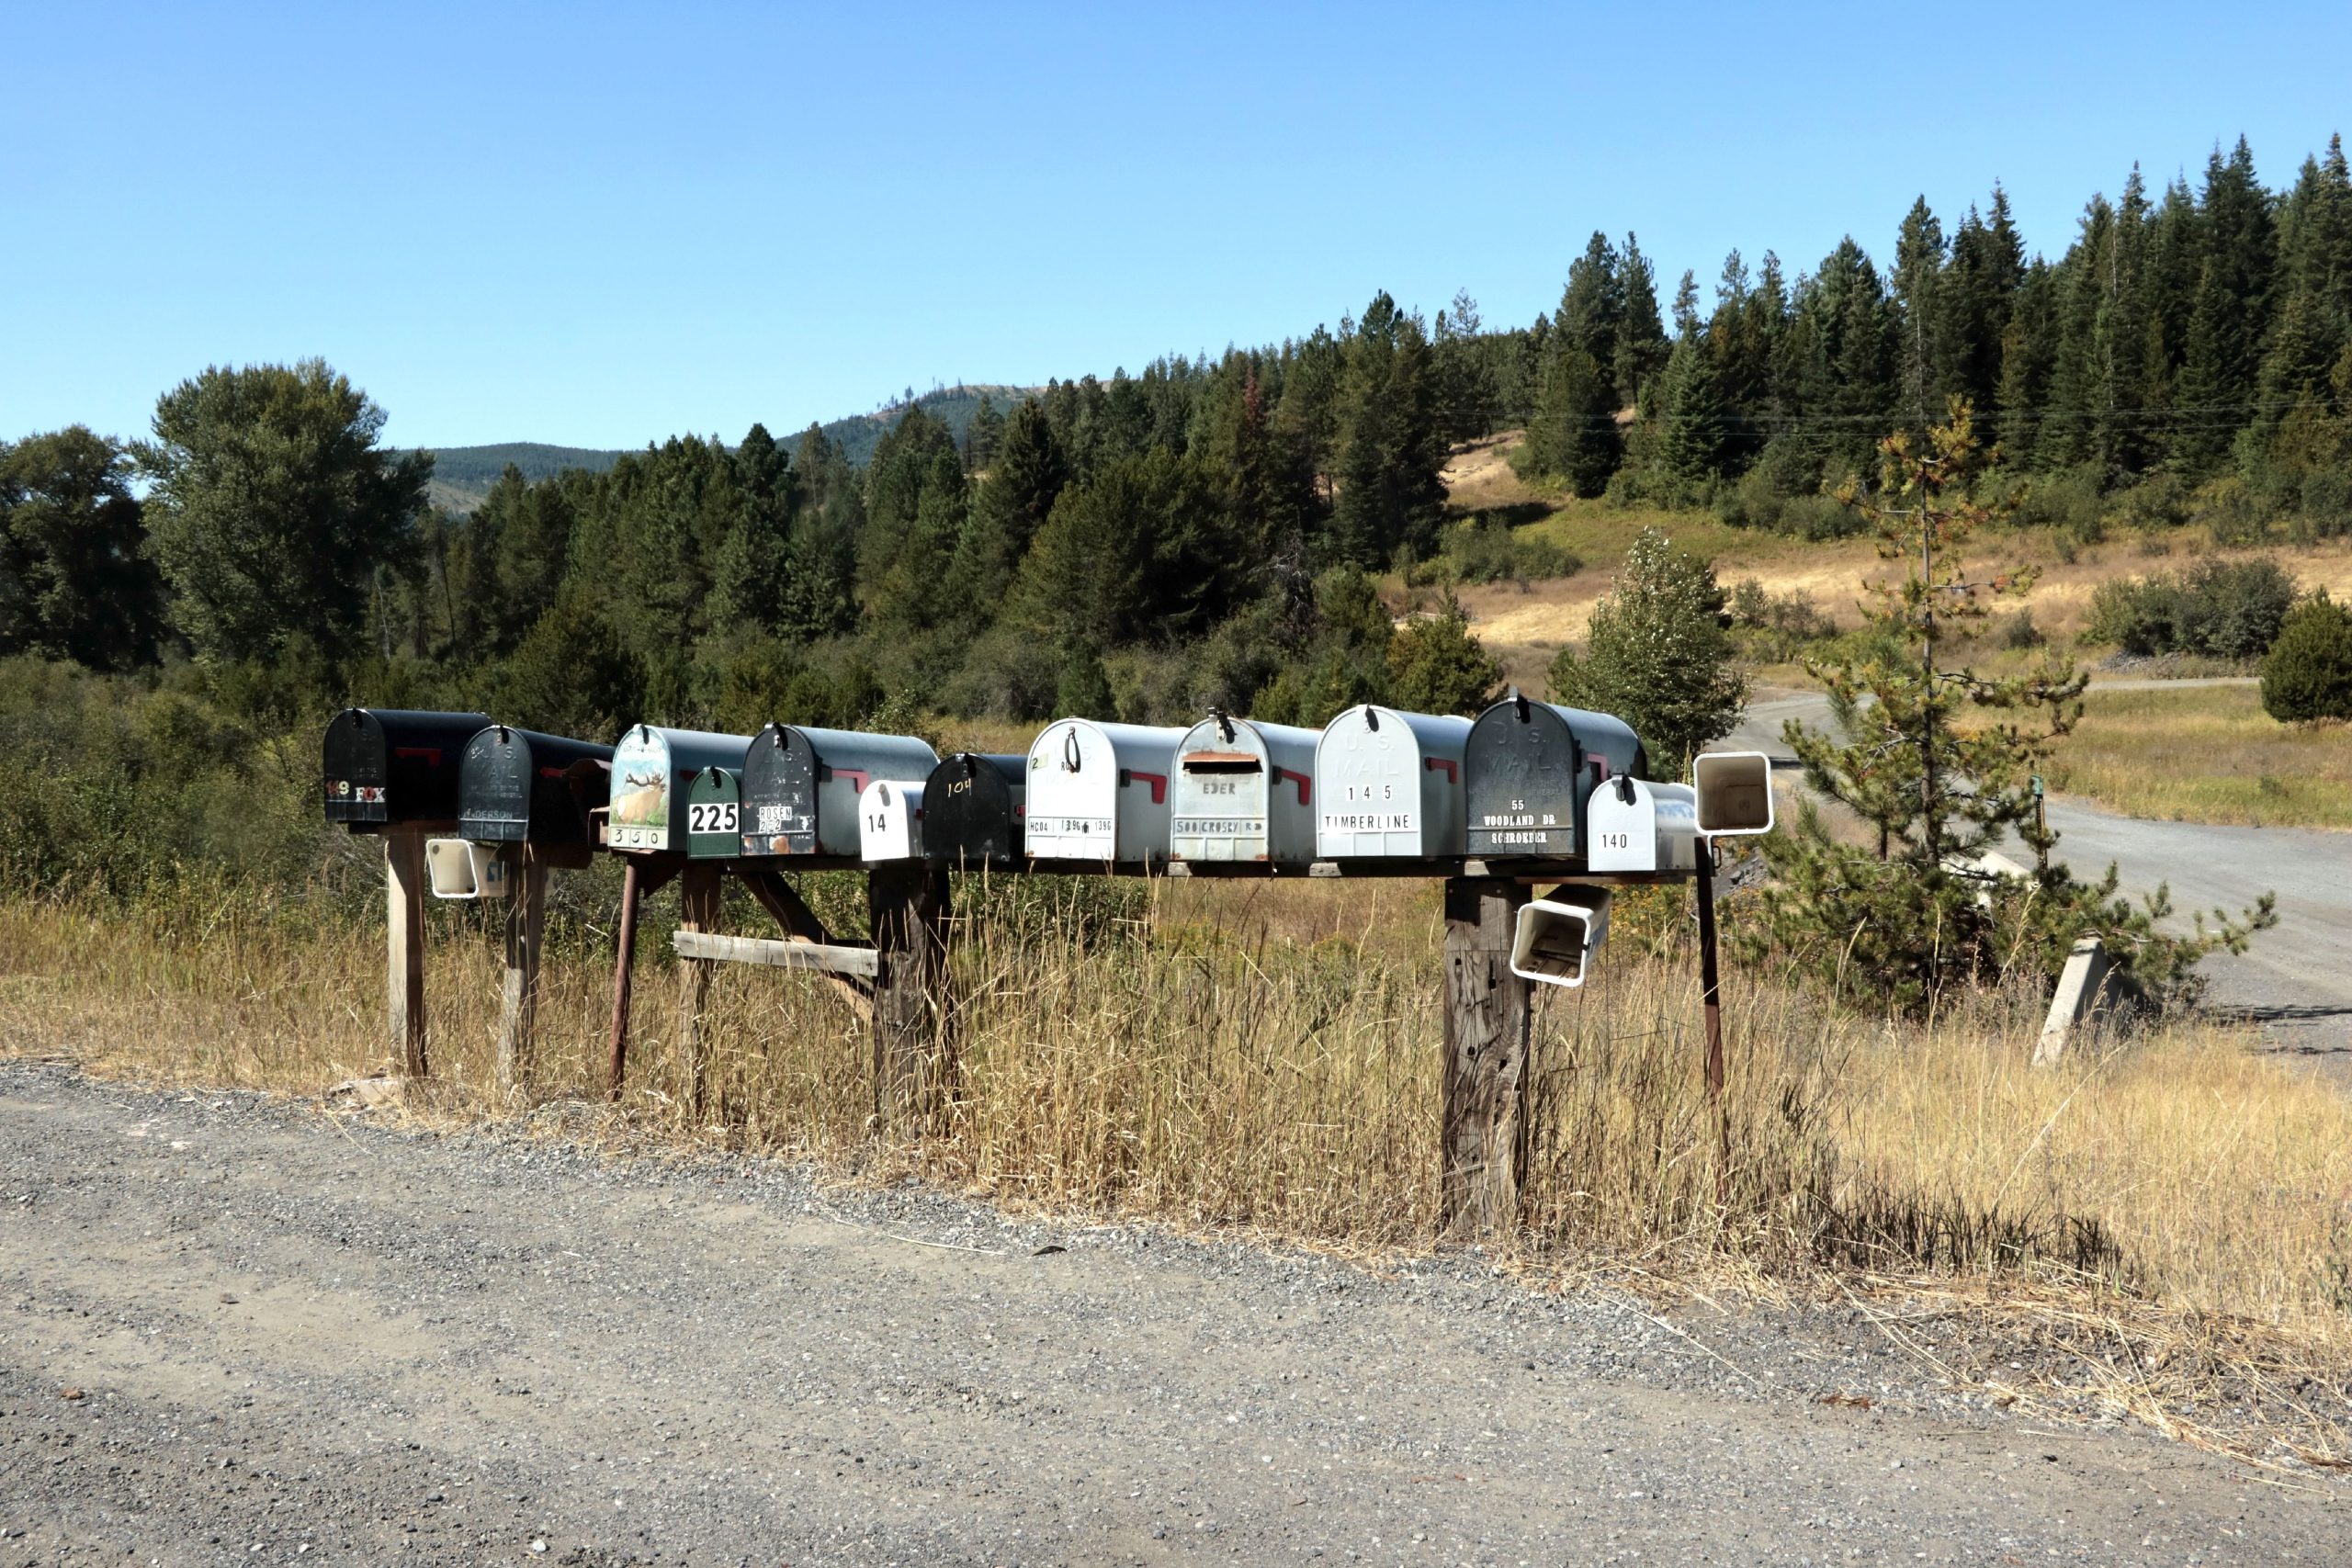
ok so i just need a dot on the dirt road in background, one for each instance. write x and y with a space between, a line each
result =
238 1332
2296 978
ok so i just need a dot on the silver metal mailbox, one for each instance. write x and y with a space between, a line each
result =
1632 825
1388 783
1243 791
801 785
652 771
1099 792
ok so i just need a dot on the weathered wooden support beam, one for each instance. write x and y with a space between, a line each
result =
842 959
914 1050
700 895
1487 1013
646 875
526 920
777 897
405 944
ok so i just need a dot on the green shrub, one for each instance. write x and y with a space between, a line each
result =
1485 548
2307 676
2225 609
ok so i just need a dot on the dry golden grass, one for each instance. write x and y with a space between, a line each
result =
1266 1058
2206 754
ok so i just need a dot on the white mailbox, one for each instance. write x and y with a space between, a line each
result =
1389 784
1638 826
889 820
1099 792
1243 791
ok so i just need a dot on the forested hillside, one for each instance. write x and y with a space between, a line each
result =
1207 530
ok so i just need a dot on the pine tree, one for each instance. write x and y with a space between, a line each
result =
1029 473
2229 316
1389 494
1692 427
1642 345
1436 665
1574 432
1919 254
750 579
1916 917
75 580
2029 355
982 436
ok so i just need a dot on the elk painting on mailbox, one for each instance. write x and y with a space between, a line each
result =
652 769
1531 767
801 785
394 765
1099 792
1388 783
516 787
1244 791
974 810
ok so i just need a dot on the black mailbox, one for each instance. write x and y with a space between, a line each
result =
972 811
388 765
801 785
1531 767
520 788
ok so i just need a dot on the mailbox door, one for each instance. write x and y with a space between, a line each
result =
1389 784
640 818
516 787
495 787
1073 793
1218 797
355 763
972 810
1525 775
779 793
714 804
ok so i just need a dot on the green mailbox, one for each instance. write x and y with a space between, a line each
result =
714 804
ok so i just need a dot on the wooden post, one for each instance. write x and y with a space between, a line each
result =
526 919
699 901
625 943
404 943
645 876
913 1057
1487 1016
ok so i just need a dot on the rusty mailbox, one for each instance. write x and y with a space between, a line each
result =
388 766
974 811
1389 784
1243 791
1099 792
516 787
801 785
1531 767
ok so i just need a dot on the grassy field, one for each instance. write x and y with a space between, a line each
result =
2206 754
1265 1059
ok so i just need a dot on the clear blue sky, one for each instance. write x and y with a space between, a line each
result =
599 226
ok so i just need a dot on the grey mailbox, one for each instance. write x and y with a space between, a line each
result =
516 787
1531 768
1243 791
1099 792
1389 784
801 785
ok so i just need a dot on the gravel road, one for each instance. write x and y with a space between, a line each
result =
2294 977
240 1331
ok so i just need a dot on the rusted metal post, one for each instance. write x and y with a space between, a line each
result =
626 942
1488 1021
404 943
527 913
1710 995
699 902
913 1054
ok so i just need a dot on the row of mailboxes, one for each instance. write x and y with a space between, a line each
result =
385 768
1525 781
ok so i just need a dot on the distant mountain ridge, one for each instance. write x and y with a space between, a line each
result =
462 475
